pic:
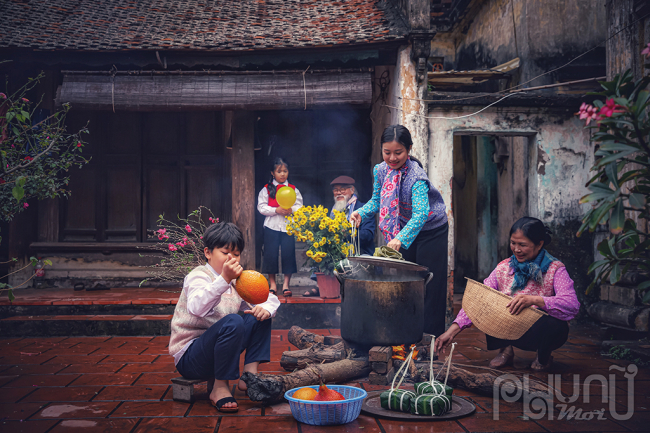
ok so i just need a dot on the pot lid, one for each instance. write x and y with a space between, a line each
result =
402 265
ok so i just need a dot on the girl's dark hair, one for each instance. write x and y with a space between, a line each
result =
223 234
402 135
277 162
533 229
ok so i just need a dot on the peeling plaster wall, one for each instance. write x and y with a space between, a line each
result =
542 33
560 159
563 154
412 110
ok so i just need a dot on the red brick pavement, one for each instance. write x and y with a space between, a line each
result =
122 384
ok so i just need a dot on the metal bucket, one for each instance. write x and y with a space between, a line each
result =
383 304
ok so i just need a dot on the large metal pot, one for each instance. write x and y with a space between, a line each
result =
382 300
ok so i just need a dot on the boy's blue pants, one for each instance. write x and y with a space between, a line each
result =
215 354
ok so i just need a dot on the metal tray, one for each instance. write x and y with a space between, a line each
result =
459 408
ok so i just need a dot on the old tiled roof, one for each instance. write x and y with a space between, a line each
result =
220 25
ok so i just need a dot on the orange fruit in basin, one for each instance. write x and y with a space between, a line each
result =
305 394
252 287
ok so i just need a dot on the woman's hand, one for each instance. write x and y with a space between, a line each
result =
355 219
395 244
447 338
259 313
231 269
520 302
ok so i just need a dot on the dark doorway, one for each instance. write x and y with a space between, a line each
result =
490 192
319 145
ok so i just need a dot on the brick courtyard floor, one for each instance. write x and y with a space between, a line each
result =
122 384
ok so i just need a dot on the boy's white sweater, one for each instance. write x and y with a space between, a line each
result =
206 298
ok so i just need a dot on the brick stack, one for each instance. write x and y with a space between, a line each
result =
382 365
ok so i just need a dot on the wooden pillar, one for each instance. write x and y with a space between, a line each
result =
624 49
243 181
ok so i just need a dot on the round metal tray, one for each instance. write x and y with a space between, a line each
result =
372 406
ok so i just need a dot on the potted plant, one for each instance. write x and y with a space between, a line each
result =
327 240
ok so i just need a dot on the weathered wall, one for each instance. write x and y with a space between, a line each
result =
411 110
542 33
560 158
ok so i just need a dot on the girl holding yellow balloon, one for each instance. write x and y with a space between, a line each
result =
275 201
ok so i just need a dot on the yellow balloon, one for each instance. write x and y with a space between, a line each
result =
286 197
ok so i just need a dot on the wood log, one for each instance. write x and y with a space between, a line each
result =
317 353
271 388
480 383
303 339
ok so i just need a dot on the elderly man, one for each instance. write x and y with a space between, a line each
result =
345 200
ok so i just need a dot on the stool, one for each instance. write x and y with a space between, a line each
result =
184 389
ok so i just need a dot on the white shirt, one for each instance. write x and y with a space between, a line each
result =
203 295
273 220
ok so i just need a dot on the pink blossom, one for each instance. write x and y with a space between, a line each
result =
161 231
185 240
213 220
172 247
610 108
180 244
25 205
3 96
25 99
188 228
589 112
78 144
646 51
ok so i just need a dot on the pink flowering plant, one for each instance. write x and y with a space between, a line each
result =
620 188
180 243
35 155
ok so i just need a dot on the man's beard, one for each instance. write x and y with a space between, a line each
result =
340 205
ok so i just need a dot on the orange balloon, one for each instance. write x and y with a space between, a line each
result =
252 287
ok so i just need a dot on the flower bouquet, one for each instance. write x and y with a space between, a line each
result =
327 237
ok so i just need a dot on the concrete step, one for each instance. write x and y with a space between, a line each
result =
133 312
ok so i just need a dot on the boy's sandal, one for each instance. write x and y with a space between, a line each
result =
219 405
287 293
313 292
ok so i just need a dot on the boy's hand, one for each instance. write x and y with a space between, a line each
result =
231 269
259 313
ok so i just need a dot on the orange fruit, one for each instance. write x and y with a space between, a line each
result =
252 287
305 393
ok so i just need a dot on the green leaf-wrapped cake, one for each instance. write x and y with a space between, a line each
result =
434 387
397 400
430 404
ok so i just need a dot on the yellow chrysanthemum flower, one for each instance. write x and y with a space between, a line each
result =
318 260
310 254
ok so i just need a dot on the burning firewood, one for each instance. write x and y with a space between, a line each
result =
400 352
